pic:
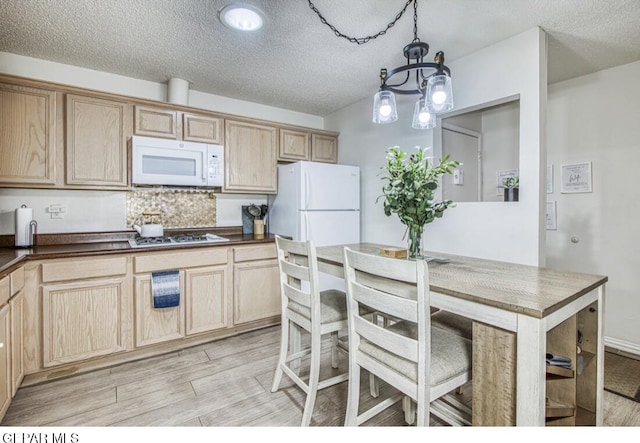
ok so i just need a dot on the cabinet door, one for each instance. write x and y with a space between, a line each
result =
17 339
155 122
96 141
156 325
294 145
27 135
206 299
5 361
200 128
256 291
250 158
324 148
82 320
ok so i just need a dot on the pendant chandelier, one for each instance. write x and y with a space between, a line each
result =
430 80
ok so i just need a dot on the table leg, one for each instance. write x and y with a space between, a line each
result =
530 384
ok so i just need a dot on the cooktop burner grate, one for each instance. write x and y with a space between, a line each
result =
176 239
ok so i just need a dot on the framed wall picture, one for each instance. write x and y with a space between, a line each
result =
576 178
501 176
549 179
551 216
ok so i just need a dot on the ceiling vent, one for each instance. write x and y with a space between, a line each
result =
178 91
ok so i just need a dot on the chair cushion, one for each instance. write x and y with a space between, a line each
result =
333 306
451 354
453 323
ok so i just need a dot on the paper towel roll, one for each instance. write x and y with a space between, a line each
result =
24 216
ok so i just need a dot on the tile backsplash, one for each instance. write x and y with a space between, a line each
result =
180 208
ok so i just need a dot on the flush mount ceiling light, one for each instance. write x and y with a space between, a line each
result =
430 80
241 17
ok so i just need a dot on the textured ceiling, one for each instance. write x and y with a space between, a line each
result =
296 62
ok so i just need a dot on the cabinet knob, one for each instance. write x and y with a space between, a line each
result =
1 345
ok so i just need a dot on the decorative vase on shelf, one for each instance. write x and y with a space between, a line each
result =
414 246
511 194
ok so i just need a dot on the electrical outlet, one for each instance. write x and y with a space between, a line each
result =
57 211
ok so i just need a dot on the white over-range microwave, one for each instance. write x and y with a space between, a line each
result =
157 161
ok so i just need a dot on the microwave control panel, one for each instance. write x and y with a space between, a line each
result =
215 165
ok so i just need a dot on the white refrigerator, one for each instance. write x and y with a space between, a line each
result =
318 202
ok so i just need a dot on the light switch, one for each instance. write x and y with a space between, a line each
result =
458 177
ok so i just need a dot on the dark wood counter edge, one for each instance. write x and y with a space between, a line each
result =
8 241
46 252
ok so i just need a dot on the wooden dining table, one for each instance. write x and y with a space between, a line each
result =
520 313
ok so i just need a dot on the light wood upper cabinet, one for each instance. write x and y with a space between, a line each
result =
156 122
27 135
250 158
167 123
203 129
96 141
294 145
324 148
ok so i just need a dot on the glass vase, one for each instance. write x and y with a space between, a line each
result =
414 246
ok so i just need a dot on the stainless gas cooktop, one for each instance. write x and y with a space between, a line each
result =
140 242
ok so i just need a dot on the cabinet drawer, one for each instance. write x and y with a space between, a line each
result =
77 270
248 253
5 291
17 280
180 260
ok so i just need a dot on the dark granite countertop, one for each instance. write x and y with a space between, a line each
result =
80 245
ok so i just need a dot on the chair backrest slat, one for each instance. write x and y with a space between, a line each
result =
404 347
296 271
296 295
395 306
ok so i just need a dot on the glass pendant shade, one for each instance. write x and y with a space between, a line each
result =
423 118
439 95
384 107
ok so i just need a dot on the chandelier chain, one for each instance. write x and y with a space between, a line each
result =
363 40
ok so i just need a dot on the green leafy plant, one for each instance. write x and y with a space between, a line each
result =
511 182
409 191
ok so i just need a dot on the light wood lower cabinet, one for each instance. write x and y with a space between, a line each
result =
16 306
207 291
156 325
82 320
256 291
5 361
204 289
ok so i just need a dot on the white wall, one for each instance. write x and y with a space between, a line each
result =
106 211
497 230
594 119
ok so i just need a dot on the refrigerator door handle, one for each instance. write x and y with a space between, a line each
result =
306 189
306 226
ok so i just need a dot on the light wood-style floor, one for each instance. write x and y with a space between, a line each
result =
223 383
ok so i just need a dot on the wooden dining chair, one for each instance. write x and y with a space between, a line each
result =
317 312
421 362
